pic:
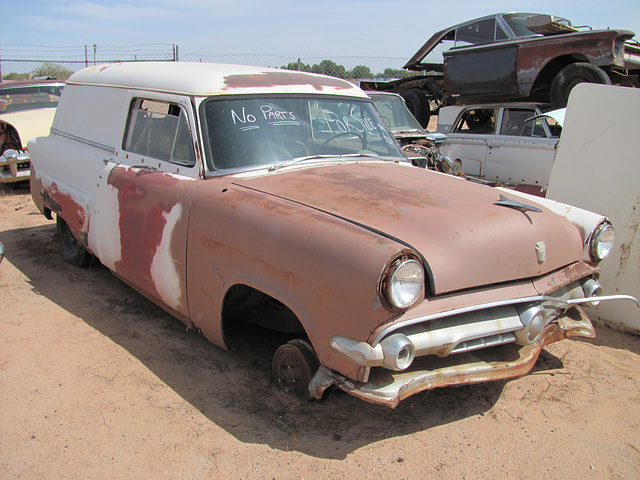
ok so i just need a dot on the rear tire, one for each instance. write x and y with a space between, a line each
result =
418 104
572 75
71 250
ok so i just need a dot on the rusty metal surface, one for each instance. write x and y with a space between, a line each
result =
509 361
202 79
595 47
62 203
417 206
519 67
327 272
144 241
152 228
318 238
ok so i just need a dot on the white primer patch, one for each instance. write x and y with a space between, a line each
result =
164 273
105 229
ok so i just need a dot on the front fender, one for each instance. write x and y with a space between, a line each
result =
325 270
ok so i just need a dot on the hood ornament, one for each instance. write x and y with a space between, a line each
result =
507 202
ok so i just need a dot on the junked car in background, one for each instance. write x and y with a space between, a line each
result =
514 56
422 148
507 144
279 200
26 111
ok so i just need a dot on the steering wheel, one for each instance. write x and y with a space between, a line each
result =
341 134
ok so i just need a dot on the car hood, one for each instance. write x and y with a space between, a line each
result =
466 238
30 123
411 134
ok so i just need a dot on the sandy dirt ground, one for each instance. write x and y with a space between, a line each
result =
98 383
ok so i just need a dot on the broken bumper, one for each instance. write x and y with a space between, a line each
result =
386 387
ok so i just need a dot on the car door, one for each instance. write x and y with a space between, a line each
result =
468 140
140 218
522 152
482 61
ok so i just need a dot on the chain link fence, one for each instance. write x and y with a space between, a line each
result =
23 62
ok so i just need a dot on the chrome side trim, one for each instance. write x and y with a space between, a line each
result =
78 139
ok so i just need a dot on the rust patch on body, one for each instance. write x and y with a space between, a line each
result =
65 206
510 361
285 78
145 200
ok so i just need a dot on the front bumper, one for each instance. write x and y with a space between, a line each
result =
386 387
14 166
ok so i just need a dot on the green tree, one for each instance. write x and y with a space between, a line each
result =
303 67
395 73
16 76
360 71
328 67
52 70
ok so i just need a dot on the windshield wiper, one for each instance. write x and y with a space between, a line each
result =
277 166
288 163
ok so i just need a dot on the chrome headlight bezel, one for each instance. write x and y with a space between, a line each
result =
601 242
403 283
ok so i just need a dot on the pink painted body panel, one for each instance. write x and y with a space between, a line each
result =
152 244
417 206
304 259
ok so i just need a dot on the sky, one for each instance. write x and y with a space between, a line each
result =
288 28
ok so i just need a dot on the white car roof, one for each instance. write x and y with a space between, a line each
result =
205 79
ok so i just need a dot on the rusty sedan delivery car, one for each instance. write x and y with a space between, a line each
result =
280 199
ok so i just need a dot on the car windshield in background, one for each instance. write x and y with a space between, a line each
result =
518 23
266 131
396 114
13 99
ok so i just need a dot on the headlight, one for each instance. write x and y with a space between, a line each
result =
601 242
405 282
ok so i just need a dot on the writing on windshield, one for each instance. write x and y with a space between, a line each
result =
255 130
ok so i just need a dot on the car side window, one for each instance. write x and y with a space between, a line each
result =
160 130
478 33
500 33
477 121
517 122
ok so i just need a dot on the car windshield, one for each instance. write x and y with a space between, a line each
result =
518 23
396 114
29 97
250 130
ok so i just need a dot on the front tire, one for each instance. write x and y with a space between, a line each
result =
71 250
572 75
294 365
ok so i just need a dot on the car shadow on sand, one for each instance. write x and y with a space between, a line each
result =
233 388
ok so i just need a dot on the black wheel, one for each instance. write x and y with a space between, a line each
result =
418 104
294 364
572 75
72 252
